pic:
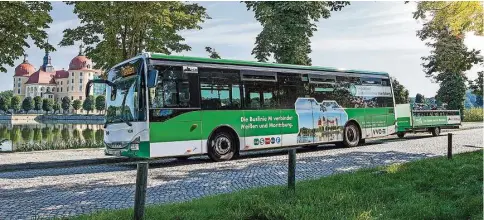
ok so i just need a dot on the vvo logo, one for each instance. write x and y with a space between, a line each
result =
379 131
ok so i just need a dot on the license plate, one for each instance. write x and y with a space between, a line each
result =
114 152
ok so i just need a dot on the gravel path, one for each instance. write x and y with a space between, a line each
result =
85 189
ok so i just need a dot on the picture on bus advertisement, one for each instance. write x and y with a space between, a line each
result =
319 122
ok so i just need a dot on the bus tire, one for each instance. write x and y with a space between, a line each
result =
435 131
222 146
401 134
351 135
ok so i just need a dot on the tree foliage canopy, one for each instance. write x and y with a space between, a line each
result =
287 28
15 103
88 104
21 20
477 85
37 103
212 53
66 103
47 105
76 104
419 98
115 31
399 92
460 17
100 103
27 104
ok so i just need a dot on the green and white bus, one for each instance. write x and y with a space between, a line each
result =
176 106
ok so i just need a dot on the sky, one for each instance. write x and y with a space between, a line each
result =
376 36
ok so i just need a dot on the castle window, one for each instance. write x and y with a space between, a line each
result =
72 74
80 74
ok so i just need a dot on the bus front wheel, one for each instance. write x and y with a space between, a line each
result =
401 134
351 135
221 147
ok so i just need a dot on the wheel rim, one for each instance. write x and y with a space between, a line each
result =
352 135
222 145
437 131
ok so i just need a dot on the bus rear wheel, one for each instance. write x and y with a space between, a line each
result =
401 134
351 135
435 131
221 147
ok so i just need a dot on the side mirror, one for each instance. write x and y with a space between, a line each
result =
152 78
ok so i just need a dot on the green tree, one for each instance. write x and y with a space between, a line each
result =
15 103
27 104
100 103
399 92
212 53
21 21
76 104
447 63
116 31
27 134
88 135
4 104
99 136
56 107
47 105
287 28
477 85
419 98
88 104
459 17
7 94
66 103
37 103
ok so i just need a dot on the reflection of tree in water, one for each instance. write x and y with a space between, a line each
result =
27 134
46 133
99 136
4 133
37 135
15 134
56 133
76 135
65 134
88 134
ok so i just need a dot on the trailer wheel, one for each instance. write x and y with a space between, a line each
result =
351 135
221 146
401 134
435 131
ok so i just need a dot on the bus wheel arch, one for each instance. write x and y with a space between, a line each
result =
226 136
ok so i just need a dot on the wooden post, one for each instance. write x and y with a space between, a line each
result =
449 146
140 194
291 172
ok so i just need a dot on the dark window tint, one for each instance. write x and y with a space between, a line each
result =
220 89
175 89
260 95
291 87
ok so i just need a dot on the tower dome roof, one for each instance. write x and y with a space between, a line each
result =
25 68
80 63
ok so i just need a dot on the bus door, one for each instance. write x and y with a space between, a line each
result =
263 124
175 117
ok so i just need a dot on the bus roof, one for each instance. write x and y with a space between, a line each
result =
258 64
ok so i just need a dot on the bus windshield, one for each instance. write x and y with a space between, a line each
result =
122 105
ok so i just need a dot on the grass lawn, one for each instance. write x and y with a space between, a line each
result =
434 188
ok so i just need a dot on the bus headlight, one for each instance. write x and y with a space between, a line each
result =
134 145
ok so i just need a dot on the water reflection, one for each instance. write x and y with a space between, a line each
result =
49 136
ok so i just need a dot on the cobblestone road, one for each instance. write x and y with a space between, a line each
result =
85 189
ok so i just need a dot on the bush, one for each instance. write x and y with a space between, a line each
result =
473 114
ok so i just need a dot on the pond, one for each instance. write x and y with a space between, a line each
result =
55 135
